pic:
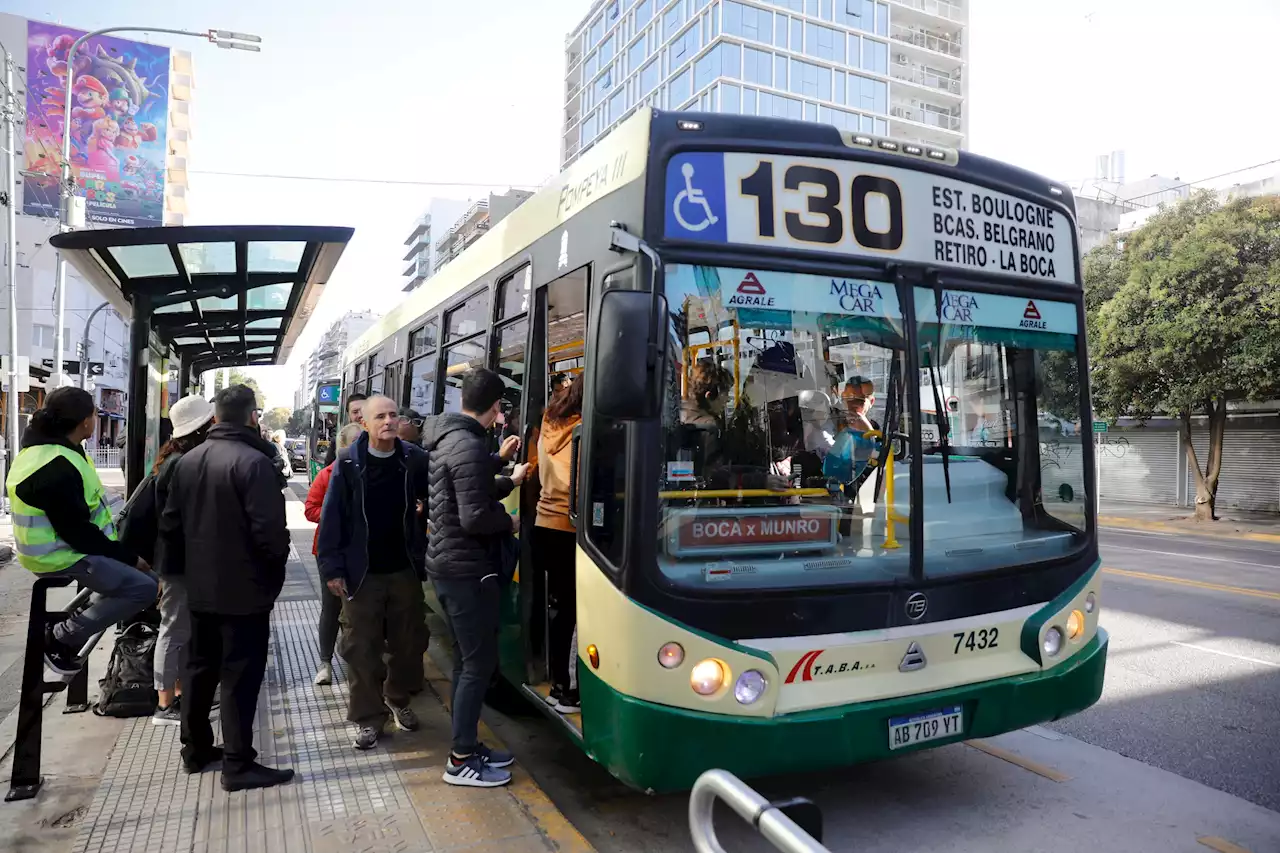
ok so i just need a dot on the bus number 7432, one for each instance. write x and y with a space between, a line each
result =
975 641
759 185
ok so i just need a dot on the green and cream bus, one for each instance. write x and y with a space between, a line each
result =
787 558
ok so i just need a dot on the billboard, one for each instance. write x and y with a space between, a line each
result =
119 113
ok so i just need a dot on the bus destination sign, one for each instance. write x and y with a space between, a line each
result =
864 210
777 529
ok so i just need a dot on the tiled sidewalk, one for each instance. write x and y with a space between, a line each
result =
389 799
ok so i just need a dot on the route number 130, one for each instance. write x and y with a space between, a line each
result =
823 221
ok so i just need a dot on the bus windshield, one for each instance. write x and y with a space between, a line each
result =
788 425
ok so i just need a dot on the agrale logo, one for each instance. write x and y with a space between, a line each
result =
750 294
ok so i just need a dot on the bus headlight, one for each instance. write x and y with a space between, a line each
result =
1053 641
749 687
671 655
707 677
1075 625
1090 602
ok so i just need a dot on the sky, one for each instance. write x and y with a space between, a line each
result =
442 91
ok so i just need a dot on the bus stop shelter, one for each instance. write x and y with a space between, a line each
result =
206 296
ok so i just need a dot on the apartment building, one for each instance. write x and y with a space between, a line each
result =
887 67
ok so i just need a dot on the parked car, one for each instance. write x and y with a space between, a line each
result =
297 448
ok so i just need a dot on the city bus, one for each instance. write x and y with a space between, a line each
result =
834 384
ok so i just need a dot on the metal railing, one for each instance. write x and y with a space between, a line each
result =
769 819
928 41
940 120
105 457
942 9
916 74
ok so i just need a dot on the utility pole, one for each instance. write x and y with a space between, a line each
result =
10 117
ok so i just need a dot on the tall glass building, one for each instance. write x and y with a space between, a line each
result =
890 68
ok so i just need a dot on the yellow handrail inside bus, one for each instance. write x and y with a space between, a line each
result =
891 517
686 494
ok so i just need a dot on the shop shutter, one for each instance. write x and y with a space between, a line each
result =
1250 477
1139 465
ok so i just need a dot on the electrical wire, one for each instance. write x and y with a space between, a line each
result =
344 180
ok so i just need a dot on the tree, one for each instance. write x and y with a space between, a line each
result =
238 378
277 418
1184 318
299 422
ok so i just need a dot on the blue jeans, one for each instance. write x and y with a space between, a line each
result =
471 609
122 591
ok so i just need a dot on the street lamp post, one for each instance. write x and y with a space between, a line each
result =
222 38
11 260
84 348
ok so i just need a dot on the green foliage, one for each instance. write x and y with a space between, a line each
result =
299 422
238 378
1184 319
1187 313
276 419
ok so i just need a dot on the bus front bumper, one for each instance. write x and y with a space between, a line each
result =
660 748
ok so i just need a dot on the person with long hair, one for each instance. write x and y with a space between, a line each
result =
63 527
330 605
554 539
192 417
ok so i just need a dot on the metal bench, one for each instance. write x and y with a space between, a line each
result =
26 780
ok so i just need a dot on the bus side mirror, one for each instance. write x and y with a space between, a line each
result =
624 369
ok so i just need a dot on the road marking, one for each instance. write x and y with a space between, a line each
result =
1111 532
1197 557
1015 759
1225 654
1238 590
1222 845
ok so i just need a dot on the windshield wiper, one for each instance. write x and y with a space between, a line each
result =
944 422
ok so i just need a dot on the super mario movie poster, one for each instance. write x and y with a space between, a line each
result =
119 110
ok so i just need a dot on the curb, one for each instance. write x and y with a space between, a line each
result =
546 818
1118 522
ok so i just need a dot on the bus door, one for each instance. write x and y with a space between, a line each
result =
557 348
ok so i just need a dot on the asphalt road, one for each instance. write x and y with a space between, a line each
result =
1193 684
1193 674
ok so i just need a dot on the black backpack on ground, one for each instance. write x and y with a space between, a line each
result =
127 689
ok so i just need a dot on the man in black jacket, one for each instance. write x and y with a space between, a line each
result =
225 521
370 551
468 531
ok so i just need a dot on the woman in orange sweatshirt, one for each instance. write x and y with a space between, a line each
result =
553 536
330 605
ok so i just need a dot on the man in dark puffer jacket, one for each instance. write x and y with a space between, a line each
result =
468 529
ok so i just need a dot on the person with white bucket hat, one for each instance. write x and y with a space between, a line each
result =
191 417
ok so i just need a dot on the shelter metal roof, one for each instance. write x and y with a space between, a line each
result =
221 295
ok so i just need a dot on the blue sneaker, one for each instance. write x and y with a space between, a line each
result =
474 772
495 757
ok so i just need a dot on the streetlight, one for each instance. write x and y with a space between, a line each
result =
224 39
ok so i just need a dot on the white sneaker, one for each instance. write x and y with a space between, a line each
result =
324 675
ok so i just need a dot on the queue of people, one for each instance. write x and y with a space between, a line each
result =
216 554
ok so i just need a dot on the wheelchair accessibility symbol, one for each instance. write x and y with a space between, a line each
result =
692 197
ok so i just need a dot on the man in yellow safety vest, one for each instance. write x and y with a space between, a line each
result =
62 526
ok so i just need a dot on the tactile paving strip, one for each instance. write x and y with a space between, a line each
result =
341 800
